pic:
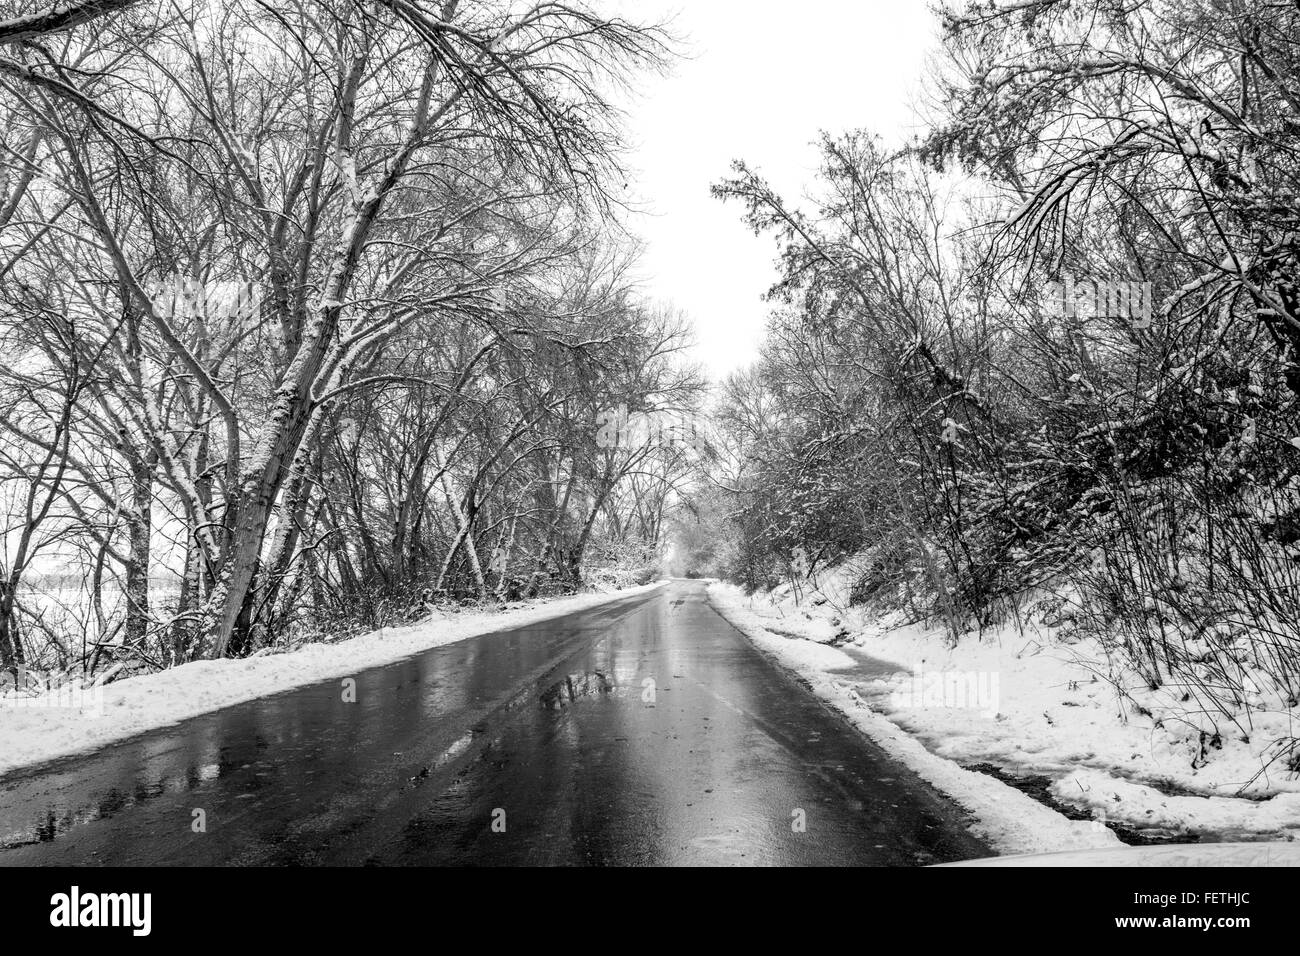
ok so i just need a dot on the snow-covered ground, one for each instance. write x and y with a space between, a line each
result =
1029 704
36 730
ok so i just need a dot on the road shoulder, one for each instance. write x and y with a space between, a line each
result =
1007 819
39 730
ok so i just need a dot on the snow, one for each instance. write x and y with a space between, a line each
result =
1181 854
1114 797
80 721
1032 701
1009 820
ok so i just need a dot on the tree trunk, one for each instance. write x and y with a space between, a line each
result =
11 646
139 524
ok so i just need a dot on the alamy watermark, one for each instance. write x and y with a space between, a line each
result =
1102 299
951 690
182 296
133 911
30 692
667 428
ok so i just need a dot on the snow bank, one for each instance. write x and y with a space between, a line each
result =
1028 702
1008 819
1115 797
83 722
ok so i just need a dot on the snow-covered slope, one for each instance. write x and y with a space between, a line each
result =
1028 703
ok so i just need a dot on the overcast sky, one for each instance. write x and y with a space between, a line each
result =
761 80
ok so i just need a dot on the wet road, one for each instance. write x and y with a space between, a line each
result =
646 731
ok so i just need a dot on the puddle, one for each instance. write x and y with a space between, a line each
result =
1039 787
574 687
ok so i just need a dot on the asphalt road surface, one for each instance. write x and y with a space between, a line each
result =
645 731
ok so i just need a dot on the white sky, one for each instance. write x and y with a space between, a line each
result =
761 80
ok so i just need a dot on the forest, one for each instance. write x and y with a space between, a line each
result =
308 312
319 313
1042 362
